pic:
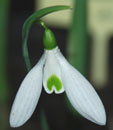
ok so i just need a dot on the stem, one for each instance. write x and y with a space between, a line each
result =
44 123
43 25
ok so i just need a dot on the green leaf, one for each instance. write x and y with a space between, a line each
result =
77 48
4 86
35 18
4 12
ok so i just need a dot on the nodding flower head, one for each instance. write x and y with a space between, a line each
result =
55 74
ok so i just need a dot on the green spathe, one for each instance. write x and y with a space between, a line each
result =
49 40
54 81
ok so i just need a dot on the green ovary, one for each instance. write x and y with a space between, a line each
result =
54 81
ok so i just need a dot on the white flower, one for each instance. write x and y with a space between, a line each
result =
57 75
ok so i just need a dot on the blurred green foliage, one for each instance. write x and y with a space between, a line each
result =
4 11
77 47
44 122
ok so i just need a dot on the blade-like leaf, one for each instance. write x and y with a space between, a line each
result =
77 48
4 86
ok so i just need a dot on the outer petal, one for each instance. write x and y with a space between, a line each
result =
81 93
27 96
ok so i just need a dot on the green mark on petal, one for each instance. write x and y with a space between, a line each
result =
54 81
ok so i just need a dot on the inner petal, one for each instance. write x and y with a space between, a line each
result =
52 76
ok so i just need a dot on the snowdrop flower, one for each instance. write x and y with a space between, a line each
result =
55 74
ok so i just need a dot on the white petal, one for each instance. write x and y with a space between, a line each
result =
51 70
81 93
27 96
